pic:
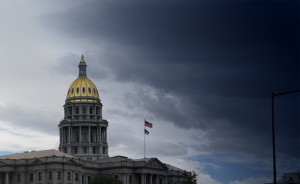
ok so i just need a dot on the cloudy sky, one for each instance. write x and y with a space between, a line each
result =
201 71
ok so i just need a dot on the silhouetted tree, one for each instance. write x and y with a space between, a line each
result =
192 179
104 180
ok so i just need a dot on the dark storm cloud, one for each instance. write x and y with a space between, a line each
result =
221 59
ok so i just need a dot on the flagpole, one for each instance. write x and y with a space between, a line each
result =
144 140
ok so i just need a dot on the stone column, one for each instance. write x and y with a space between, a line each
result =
64 135
124 178
22 178
97 135
143 178
86 179
34 177
54 176
100 134
60 136
6 177
64 174
69 136
79 134
105 138
89 134
151 175
80 178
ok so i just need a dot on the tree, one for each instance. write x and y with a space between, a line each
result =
104 180
192 179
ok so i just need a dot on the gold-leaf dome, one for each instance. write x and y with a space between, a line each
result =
82 89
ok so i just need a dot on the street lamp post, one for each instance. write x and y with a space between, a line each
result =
273 129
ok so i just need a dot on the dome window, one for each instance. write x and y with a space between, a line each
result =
72 90
89 90
83 90
94 90
77 90
68 91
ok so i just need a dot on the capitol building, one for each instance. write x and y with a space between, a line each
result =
83 150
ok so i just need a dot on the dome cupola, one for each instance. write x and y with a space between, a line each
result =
82 89
83 131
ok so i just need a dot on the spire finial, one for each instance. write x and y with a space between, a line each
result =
82 67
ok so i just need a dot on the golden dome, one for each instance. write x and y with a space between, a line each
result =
82 89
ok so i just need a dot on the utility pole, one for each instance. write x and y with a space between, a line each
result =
273 129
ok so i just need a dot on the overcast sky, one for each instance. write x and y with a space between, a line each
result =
201 71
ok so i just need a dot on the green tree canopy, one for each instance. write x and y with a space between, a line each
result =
104 180
192 179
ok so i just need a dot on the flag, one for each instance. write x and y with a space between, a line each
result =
146 132
147 124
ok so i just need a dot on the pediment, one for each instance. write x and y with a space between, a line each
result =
2 163
37 161
184 174
155 164
72 161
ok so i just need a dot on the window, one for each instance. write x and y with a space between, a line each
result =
84 110
85 150
76 176
72 90
58 175
75 150
77 110
103 151
94 90
116 176
83 90
91 110
40 176
68 176
94 150
31 177
19 178
90 90
77 90
50 175
68 91
130 178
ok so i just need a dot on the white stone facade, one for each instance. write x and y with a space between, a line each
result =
54 167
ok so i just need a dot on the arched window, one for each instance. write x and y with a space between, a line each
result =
72 90
91 110
83 90
77 110
77 90
94 90
90 90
